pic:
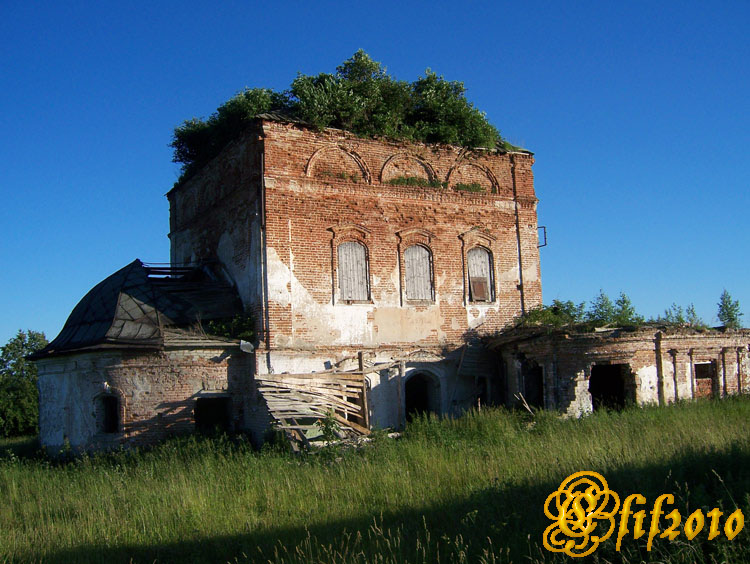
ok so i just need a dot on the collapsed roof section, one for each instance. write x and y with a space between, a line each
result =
149 307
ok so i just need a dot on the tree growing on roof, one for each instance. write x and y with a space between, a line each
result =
558 314
360 97
729 311
624 312
601 311
673 315
693 319
19 398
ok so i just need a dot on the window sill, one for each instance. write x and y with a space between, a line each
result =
419 302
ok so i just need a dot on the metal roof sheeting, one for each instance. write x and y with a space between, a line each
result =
133 307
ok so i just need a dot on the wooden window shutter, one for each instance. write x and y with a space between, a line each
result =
418 273
480 275
353 278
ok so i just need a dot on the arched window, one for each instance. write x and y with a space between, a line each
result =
353 272
418 273
481 283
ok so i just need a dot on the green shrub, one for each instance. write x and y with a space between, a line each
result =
240 326
473 187
558 314
359 97
19 398
416 181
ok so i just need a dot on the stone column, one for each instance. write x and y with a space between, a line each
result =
659 368
723 367
741 376
675 380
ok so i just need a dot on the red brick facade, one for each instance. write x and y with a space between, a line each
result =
319 189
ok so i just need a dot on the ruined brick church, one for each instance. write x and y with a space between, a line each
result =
369 269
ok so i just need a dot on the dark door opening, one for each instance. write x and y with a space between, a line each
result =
609 386
110 416
705 380
212 414
533 384
421 395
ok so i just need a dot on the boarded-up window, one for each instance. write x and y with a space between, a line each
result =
418 271
353 279
480 275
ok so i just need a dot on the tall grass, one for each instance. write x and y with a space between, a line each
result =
453 490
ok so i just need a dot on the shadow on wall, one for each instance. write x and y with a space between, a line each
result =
459 379
207 411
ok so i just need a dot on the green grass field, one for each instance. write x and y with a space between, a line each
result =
455 490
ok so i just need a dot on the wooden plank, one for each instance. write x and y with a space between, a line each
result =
352 271
292 443
295 408
418 274
340 391
355 382
351 424
327 375
363 398
301 435
301 427
365 408
341 374
400 384
312 399
280 413
281 386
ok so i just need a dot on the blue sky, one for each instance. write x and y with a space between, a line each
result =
638 113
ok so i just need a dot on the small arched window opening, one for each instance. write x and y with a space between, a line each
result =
481 282
109 414
353 272
418 274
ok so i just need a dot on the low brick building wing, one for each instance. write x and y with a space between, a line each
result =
132 363
575 371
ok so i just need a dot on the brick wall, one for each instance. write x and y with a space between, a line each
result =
156 392
661 364
215 218
326 188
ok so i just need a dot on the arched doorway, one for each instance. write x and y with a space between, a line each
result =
421 395
533 383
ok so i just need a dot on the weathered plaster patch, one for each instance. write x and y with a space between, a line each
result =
647 391
278 276
398 325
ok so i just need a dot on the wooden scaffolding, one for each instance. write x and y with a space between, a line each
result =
297 402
